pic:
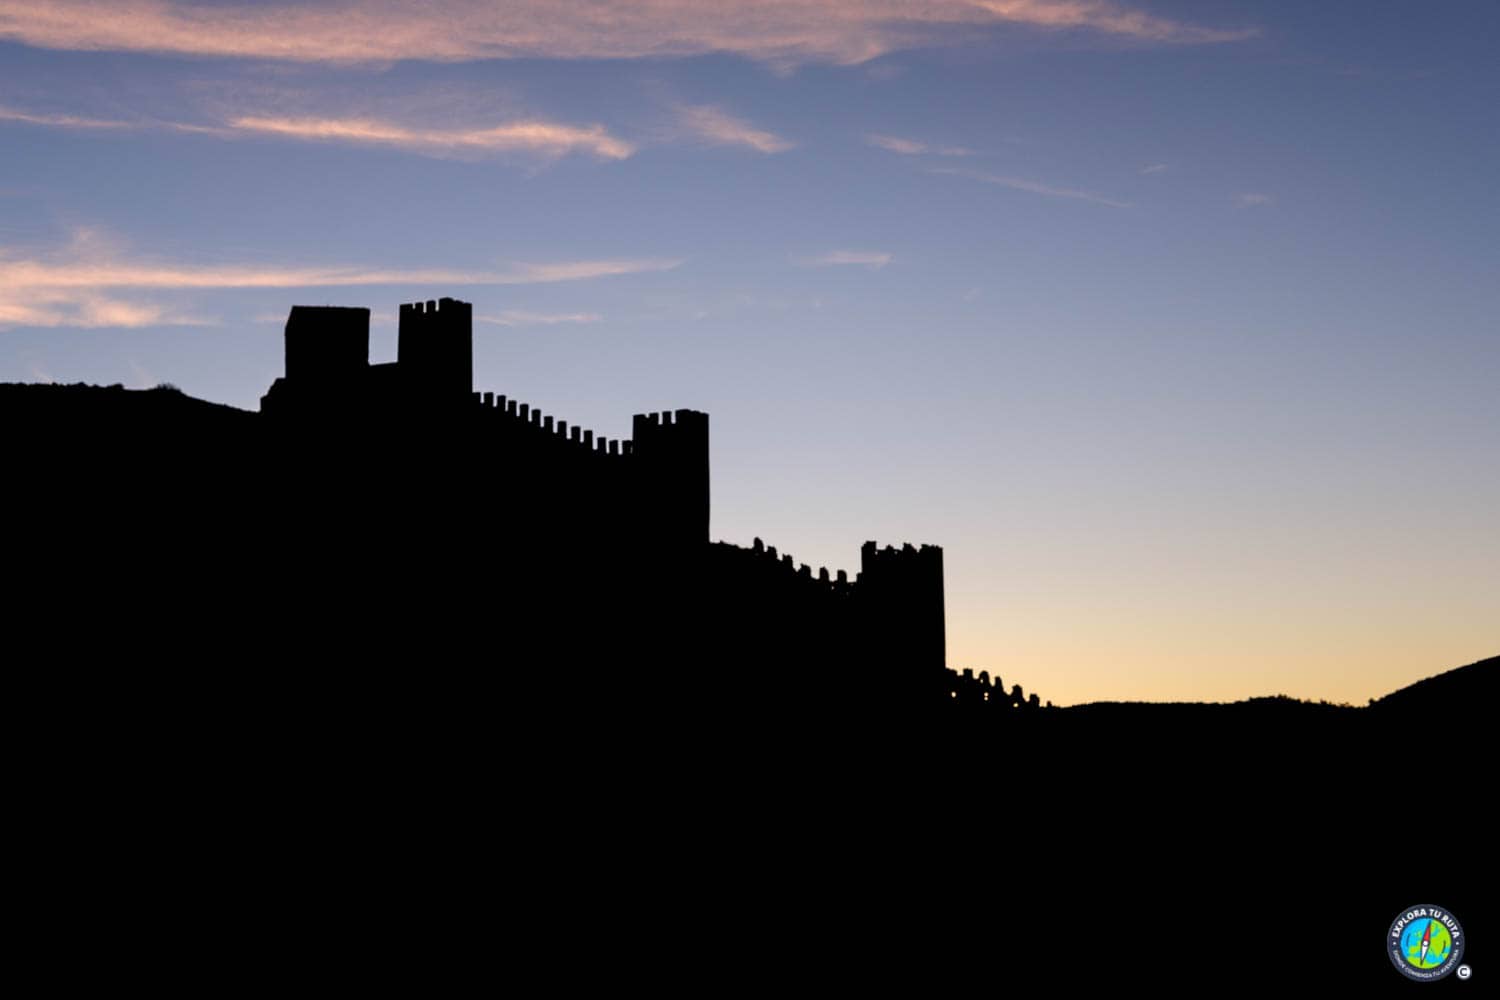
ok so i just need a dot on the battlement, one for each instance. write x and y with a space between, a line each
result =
907 572
908 558
539 427
685 421
967 690
678 438
785 566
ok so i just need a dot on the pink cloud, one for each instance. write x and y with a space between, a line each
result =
873 259
534 136
58 121
911 147
520 317
93 282
713 125
777 31
545 138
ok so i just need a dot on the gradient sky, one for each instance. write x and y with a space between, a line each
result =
1173 323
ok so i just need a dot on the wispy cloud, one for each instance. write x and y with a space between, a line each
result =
716 126
1108 17
777 31
1253 199
1034 187
21 274
58 121
91 283
1154 168
574 270
540 137
911 147
9 114
53 307
533 136
872 259
518 317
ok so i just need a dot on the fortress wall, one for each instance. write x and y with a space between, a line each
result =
620 527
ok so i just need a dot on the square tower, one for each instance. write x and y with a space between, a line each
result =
327 343
435 348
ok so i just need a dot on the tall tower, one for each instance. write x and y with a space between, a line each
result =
435 349
905 586
670 450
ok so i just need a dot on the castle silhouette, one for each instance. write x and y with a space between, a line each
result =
380 518
632 514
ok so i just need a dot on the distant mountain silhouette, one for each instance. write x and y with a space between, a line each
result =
1466 692
1458 699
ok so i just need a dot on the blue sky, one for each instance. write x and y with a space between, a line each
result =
1173 323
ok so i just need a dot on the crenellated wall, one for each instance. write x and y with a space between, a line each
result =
983 692
658 480
582 528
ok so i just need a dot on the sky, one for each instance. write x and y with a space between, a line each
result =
1173 323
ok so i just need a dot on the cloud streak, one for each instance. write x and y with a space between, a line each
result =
534 136
784 31
911 147
712 125
19 275
91 285
519 317
872 259
1254 200
58 121
86 309
1034 187
540 137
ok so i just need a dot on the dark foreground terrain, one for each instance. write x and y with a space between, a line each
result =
319 709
